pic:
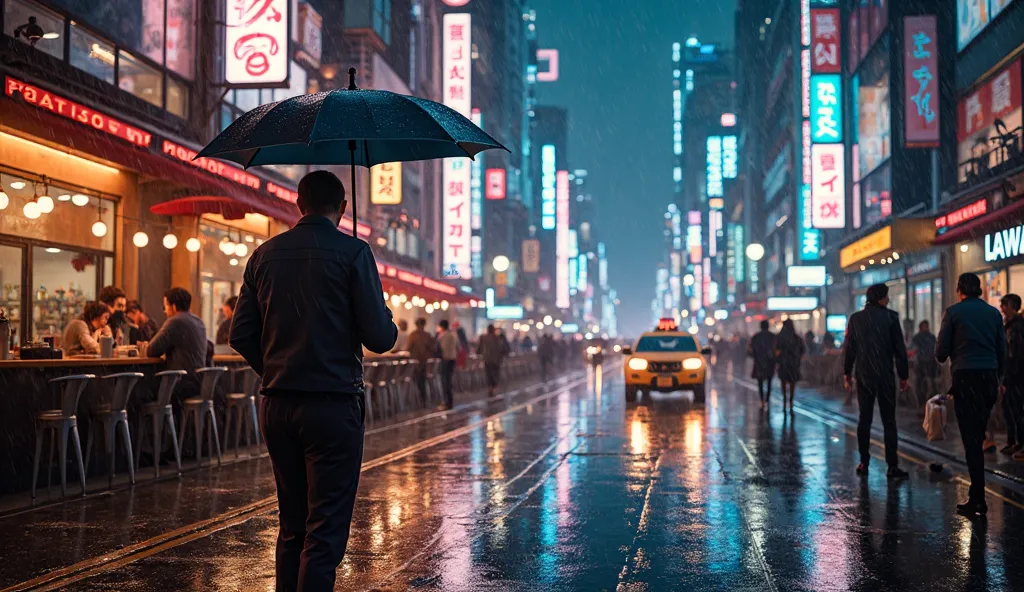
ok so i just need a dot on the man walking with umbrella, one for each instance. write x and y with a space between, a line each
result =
310 301
874 340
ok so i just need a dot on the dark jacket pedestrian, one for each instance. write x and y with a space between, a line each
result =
493 349
422 346
972 337
1013 376
546 353
789 351
311 300
874 342
762 349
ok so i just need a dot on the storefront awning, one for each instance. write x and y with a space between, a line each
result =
900 236
401 281
229 209
992 221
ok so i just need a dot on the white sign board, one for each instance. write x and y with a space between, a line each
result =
806 276
562 240
457 172
458 67
792 303
828 186
256 43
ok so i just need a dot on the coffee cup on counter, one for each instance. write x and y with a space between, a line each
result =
106 347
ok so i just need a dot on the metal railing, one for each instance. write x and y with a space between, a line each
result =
992 156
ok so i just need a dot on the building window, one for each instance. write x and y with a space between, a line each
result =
17 13
177 98
140 79
382 19
247 100
91 54
296 83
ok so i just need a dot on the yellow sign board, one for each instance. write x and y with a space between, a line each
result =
386 184
531 256
872 244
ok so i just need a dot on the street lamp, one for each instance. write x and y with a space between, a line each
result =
755 251
500 263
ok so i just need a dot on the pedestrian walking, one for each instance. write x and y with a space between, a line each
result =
973 338
1012 388
762 350
546 353
449 344
492 350
313 413
422 346
874 341
402 342
809 343
789 352
926 369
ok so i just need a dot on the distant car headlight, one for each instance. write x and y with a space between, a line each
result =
692 364
637 364
617 347
593 350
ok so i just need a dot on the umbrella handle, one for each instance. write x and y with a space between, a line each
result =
352 153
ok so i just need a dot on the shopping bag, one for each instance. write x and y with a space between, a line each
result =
935 418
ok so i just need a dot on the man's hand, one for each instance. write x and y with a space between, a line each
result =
1002 389
848 382
904 386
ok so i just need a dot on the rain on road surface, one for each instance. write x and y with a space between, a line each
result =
562 488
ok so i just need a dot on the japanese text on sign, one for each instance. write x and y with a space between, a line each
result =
714 167
562 241
457 172
386 184
826 109
957 217
256 42
458 67
547 184
730 157
456 213
921 83
825 41
828 186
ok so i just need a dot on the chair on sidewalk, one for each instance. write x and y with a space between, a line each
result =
112 413
201 411
160 412
63 420
242 406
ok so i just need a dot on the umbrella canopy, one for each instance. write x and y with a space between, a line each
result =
349 126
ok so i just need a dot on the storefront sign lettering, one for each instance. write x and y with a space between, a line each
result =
957 217
58 105
826 108
828 188
1004 244
871 244
457 174
386 184
825 40
281 193
256 42
921 82
216 167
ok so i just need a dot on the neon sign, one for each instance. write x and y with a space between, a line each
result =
715 187
547 183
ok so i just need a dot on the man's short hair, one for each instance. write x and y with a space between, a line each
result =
179 298
877 292
231 302
110 294
765 325
133 306
443 323
1012 301
421 322
969 285
321 192
923 324
93 311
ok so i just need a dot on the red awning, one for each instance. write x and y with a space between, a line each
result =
992 221
229 208
401 281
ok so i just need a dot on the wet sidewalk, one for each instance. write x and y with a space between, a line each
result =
909 421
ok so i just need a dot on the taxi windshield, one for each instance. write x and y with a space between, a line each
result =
676 343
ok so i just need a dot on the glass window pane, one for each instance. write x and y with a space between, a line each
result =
10 287
939 306
108 271
247 100
181 37
68 223
141 79
296 83
177 98
993 286
16 19
226 117
62 282
91 54
152 42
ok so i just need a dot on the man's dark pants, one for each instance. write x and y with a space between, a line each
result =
1013 411
974 394
764 388
447 372
493 372
885 393
926 373
316 445
421 380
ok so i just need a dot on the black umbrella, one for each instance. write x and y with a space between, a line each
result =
350 126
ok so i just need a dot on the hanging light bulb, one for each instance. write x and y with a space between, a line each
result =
4 201
141 239
99 229
241 249
19 184
430 308
227 247
45 204
408 306
233 261
31 210
170 241
80 200
64 197
192 245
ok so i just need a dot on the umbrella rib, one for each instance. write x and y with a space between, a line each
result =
441 127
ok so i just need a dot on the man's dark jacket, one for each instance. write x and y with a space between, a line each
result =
972 337
762 350
874 340
1014 375
311 299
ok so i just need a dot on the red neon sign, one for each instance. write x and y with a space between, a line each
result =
281 193
415 279
957 217
58 105
210 165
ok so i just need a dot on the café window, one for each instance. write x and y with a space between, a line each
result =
874 128
143 81
16 19
177 98
876 195
91 54
223 255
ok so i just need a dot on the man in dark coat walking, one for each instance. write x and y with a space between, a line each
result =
874 340
762 350
1013 378
972 337
310 301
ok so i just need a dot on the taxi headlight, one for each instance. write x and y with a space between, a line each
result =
593 350
692 364
637 364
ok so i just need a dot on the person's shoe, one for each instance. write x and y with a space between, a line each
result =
972 508
896 473
988 446
862 469
1009 449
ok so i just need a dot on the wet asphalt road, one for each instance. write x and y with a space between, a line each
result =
563 488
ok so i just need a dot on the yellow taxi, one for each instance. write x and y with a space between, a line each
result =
666 360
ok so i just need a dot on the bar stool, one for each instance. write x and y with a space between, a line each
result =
201 410
111 414
159 412
242 406
63 420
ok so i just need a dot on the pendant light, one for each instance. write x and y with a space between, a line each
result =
170 241
99 229
141 239
4 201
193 245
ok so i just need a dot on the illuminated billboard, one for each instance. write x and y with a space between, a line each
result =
547 187
457 172
828 186
730 157
257 44
826 109
562 240
386 184
715 188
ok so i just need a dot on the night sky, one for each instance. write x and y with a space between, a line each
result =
615 79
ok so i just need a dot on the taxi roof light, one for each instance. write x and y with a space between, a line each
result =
667 324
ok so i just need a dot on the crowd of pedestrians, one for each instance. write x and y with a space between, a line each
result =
782 354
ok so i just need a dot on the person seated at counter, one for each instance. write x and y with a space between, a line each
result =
142 327
116 300
182 338
82 335
224 330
